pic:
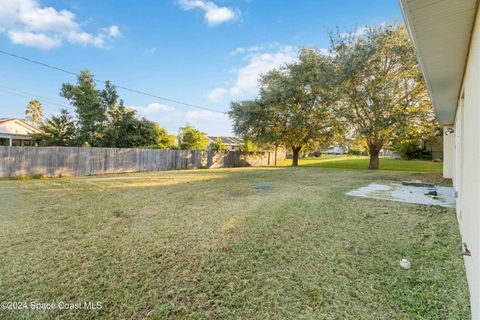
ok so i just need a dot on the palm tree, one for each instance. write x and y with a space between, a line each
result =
34 112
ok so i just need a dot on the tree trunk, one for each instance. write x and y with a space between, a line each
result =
296 151
374 151
276 149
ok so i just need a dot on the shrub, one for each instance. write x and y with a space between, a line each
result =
218 145
354 152
411 150
248 146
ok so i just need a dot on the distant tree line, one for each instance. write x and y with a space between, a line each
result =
367 90
100 119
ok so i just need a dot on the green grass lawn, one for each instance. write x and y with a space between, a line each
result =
198 244
354 162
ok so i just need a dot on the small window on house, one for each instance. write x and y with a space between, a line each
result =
16 142
4 142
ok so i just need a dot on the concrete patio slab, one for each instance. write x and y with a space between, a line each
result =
394 191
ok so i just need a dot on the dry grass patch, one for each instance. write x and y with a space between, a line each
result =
207 244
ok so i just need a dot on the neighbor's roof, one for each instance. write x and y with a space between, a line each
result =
21 122
5 119
227 140
441 31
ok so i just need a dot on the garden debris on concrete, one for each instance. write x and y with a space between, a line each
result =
420 193
418 183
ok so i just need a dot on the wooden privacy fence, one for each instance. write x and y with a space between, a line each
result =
73 161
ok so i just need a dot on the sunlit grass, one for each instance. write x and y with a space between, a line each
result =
354 162
199 244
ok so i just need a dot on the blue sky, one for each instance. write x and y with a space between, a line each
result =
206 53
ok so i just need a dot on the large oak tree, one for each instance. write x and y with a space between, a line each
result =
294 108
380 88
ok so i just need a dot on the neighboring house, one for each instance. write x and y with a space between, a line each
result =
232 143
388 152
337 149
341 149
446 36
16 132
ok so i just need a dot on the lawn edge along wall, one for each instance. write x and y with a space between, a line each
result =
80 161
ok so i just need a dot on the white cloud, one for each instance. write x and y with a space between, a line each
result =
153 108
326 52
359 32
246 82
246 79
41 41
214 15
27 23
214 123
114 31
256 48
217 94
85 38
363 30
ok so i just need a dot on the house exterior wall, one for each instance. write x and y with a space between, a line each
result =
14 132
13 128
467 167
336 150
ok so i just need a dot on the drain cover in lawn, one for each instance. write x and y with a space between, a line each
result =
427 195
263 187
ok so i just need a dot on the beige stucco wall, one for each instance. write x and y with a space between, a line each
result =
467 167
13 128
448 151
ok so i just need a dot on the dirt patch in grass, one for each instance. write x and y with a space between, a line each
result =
206 244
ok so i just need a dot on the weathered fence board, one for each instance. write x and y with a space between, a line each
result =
76 161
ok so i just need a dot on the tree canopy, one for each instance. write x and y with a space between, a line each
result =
91 106
102 120
57 131
295 107
218 145
248 146
190 138
368 88
163 139
380 89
